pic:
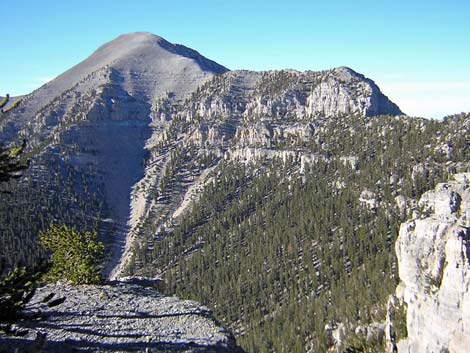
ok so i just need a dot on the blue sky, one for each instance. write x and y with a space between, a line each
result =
416 51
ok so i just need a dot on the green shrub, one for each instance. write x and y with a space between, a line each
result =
76 257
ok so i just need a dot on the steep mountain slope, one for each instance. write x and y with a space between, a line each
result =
141 64
296 220
273 197
240 115
98 127
93 122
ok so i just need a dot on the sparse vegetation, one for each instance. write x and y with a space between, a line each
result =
15 104
399 321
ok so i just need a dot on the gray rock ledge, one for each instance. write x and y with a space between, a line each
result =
118 318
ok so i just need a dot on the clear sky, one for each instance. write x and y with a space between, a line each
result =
417 51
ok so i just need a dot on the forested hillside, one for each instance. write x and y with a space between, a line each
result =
31 204
279 250
272 197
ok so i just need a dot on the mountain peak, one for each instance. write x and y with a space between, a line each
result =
345 69
134 39
143 65
141 35
346 73
153 48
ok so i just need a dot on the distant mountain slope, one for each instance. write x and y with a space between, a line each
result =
101 120
94 119
144 65
266 195
237 110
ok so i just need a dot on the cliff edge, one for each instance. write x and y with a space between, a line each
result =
121 317
433 252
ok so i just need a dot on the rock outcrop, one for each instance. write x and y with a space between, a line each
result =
433 252
344 91
119 317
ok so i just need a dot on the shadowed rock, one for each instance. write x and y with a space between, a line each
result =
121 317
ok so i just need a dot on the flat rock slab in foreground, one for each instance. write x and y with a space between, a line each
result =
120 318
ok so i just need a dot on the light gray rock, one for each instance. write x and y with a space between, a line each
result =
368 198
122 317
144 65
434 267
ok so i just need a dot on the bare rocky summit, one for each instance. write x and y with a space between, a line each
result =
117 318
142 65
434 266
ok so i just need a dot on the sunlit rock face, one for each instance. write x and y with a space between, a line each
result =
434 266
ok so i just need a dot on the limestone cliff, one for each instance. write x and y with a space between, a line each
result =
433 252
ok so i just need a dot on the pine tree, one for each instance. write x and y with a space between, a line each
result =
76 256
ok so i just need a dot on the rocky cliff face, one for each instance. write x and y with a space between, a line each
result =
122 317
433 252
117 117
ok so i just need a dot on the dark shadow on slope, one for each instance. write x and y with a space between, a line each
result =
204 63
20 345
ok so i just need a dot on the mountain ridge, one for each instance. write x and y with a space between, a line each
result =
121 101
141 50
277 187
145 62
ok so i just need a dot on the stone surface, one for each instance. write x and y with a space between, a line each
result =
434 266
121 317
